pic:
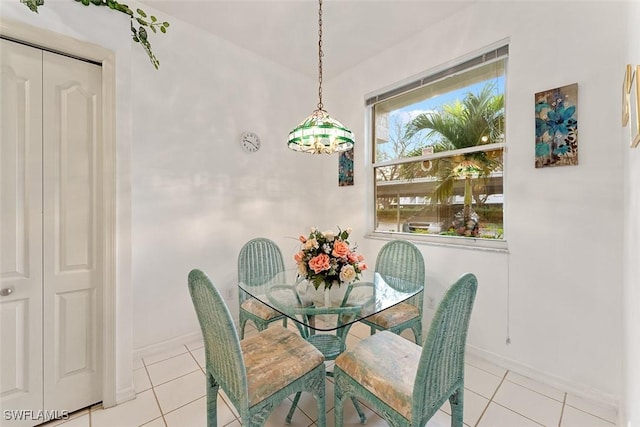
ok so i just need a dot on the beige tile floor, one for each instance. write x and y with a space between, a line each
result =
170 392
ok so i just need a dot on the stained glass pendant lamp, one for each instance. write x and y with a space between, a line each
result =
319 133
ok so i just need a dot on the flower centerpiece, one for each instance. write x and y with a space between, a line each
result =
327 258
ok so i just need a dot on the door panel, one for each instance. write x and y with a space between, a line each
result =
21 378
72 223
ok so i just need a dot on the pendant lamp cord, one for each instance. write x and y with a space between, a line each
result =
320 55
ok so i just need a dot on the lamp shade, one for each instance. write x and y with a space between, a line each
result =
320 134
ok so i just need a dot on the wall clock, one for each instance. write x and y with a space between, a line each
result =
250 142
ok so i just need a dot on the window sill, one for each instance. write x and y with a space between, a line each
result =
492 245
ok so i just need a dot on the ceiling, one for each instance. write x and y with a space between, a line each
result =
286 31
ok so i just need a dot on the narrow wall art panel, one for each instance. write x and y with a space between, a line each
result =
345 168
557 126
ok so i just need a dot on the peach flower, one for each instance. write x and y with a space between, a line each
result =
360 257
311 244
299 256
302 238
340 249
302 268
362 266
319 263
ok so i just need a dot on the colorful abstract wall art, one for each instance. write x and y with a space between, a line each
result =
345 168
557 127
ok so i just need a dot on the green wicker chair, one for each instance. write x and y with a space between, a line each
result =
411 392
259 260
256 373
402 260
330 344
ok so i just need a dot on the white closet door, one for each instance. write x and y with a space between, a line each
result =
20 228
72 232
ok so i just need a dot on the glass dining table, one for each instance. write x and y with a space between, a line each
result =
298 300
324 317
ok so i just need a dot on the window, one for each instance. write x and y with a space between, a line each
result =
438 146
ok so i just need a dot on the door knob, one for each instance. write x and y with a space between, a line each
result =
6 291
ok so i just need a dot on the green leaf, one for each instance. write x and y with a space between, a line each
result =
166 24
86 2
153 18
141 13
32 4
141 21
142 33
163 30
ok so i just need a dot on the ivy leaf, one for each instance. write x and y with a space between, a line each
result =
139 35
142 33
33 4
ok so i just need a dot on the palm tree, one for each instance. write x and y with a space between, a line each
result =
476 120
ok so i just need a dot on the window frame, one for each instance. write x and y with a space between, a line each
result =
498 52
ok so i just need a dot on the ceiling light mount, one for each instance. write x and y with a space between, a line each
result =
319 133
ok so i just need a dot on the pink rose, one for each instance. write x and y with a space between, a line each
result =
353 257
362 266
360 258
319 263
340 249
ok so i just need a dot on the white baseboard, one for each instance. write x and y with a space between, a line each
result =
577 389
125 395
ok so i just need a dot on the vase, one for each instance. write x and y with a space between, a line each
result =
322 297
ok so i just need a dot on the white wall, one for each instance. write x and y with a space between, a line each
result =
197 196
631 306
558 289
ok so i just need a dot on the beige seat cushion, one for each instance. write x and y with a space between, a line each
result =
395 315
385 364
274 359
259 309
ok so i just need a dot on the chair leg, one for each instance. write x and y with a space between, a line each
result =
243 323
338 410
363 418
293 407
457 405
322 409
212 401
417 332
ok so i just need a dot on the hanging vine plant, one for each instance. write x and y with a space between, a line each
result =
139 22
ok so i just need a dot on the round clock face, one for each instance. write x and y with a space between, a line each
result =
250 142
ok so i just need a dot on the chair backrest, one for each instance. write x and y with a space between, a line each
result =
259 260
441 368
403 260
221 342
